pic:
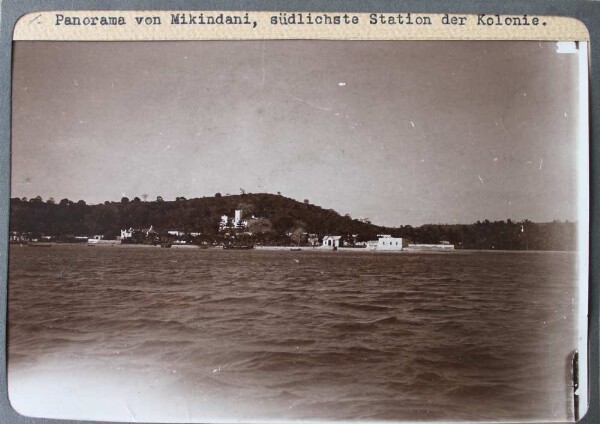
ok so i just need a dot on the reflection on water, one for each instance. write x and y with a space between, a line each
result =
179 335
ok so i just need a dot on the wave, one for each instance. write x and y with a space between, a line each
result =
363 306
365 325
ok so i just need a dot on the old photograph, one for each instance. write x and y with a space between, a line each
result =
297 230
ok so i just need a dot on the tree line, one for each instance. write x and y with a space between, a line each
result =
278 219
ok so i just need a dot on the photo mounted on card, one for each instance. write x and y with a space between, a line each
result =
230 216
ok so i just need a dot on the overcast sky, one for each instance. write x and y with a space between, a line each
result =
402 132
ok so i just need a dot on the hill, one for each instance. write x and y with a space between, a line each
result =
189 215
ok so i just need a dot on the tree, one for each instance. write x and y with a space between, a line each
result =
159 199
180 199
260 226
136 199
81 202
23 199
246 208
50 201
37 199
297 235
218 195
306 201
64 202
282 223
145 196
124 199
242 191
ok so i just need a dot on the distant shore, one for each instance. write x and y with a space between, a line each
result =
295 248
197 247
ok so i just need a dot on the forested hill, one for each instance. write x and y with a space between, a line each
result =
278 216
191 215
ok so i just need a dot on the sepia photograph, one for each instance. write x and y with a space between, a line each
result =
298 230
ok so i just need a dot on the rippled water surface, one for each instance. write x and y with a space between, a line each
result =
291 335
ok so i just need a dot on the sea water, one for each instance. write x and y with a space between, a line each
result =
133 333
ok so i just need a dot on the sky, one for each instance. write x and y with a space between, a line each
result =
400 132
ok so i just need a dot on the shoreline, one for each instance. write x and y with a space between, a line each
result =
294 249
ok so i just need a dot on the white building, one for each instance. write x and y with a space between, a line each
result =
237 221
224 222
127 234
332 241
385 242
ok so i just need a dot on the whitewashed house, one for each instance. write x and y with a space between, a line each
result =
332 241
